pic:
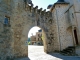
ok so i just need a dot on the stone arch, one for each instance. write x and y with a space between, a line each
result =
20 45
44 35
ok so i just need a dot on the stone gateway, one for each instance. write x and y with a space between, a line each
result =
60 25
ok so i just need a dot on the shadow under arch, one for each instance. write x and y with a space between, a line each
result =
43 34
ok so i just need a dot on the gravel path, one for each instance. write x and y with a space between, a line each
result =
37 53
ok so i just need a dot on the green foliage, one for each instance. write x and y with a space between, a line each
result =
42 38
28 43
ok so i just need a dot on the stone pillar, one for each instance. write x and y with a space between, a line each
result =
17 26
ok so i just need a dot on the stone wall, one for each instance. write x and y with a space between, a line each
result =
77 14
75 11
65 33
67 21
24 17
57 26
6 48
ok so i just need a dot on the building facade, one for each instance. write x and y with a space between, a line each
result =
33 40
66 16
37 39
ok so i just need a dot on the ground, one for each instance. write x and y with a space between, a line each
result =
37 53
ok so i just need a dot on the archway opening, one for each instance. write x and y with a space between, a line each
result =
35 40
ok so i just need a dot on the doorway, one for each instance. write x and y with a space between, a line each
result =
76 38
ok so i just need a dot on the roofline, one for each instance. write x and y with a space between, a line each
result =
57 3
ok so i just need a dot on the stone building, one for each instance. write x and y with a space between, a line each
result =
60 25
33 40
39 40
66 22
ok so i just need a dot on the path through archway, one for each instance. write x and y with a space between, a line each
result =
36 40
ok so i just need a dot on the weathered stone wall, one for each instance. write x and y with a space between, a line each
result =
67 14
17 27
64 34
77 14
57 26
6 49
68 20
56 46
75 11
23 19
64 24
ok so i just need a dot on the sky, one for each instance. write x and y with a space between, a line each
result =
33 31
41 4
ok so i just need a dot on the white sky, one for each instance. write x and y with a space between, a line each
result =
33 31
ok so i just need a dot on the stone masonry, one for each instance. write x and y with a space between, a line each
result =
60 26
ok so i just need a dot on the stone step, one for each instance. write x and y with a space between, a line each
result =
77 50
68 51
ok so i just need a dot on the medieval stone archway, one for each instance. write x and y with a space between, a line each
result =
41 35
34 35
17 17
22 19
22 22
21 35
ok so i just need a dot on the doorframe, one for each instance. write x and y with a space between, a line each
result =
75 43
